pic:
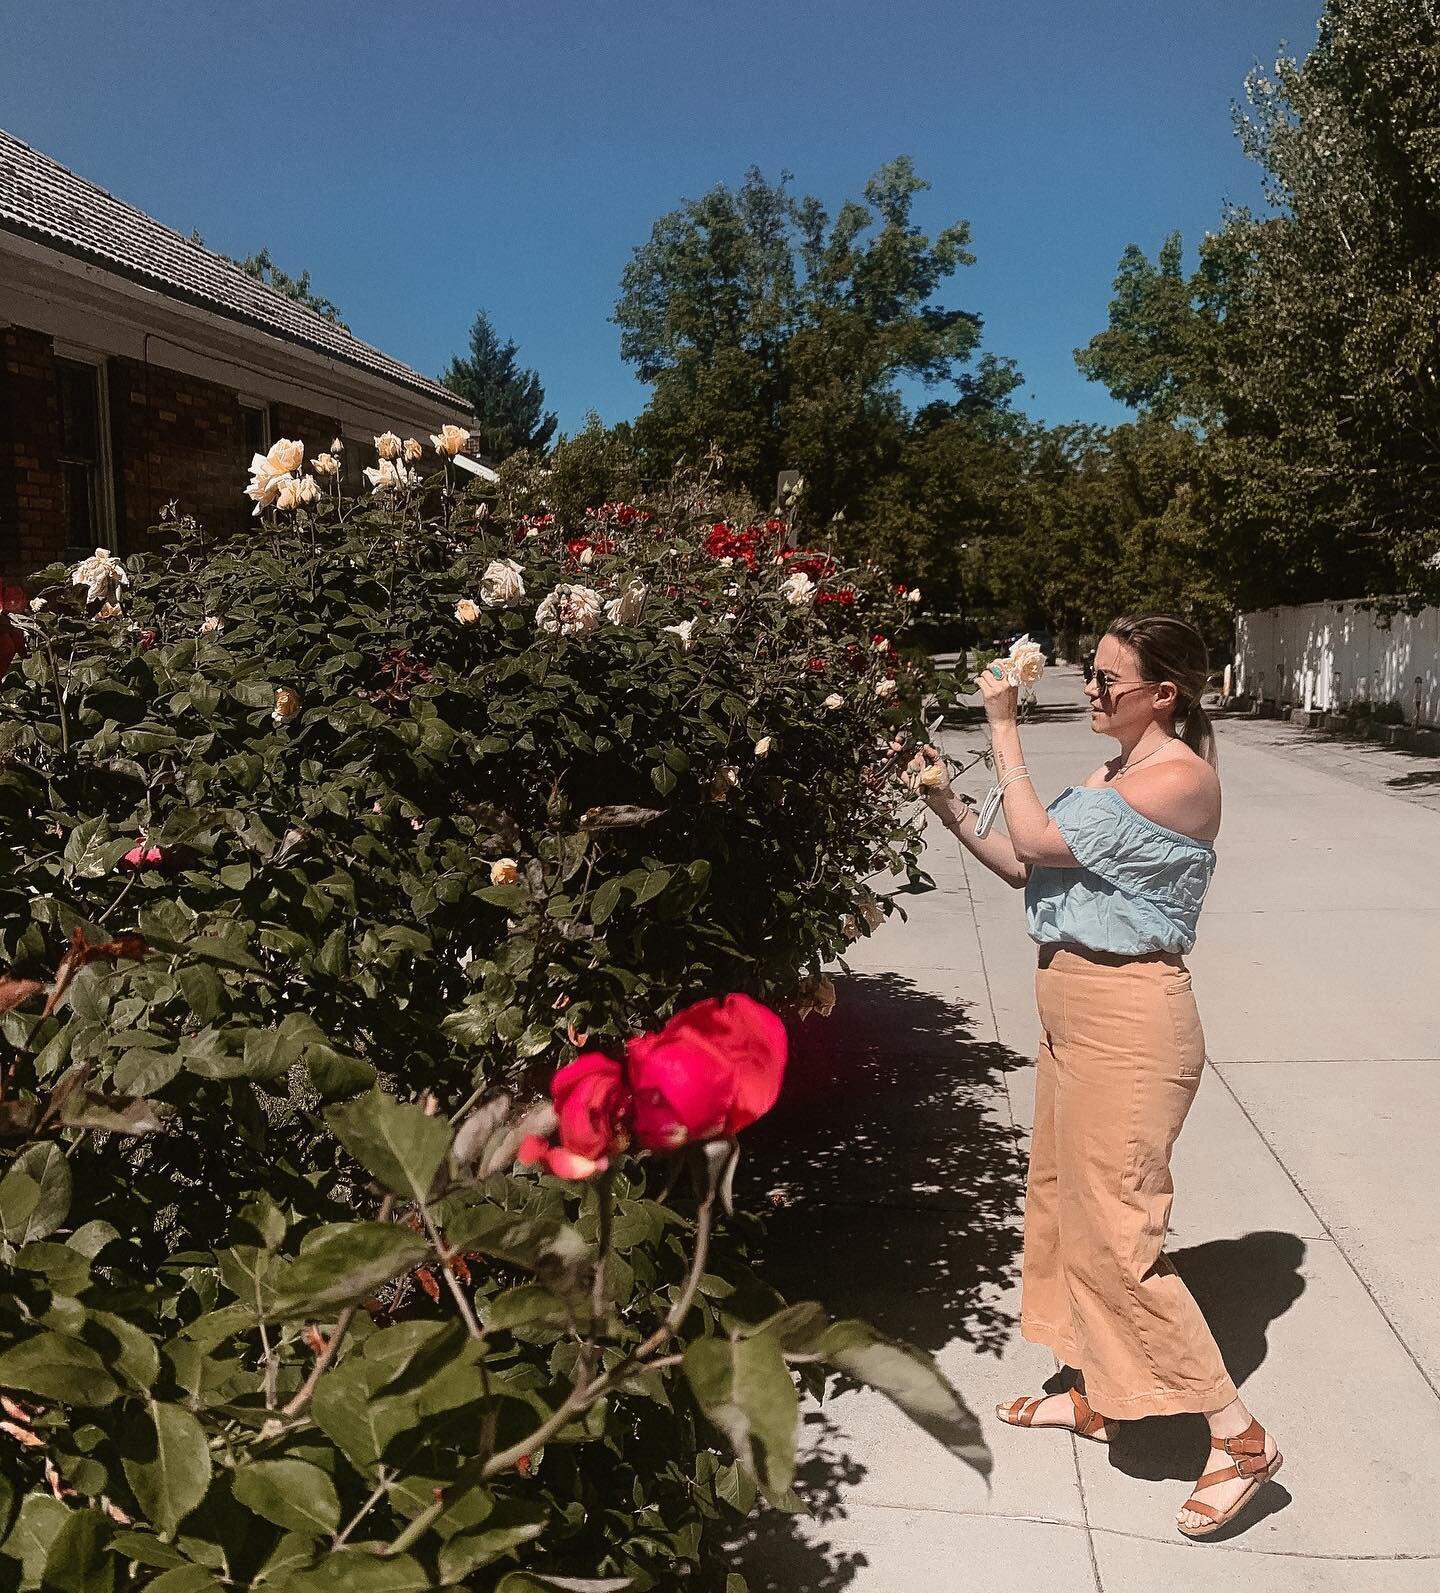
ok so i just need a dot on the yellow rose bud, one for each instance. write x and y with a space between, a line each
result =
504 871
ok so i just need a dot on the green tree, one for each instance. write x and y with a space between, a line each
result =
1307 344
509 402
777 334
263 269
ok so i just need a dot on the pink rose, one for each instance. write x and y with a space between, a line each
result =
712 1070
142 856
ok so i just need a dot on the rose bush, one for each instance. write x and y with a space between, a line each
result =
316 877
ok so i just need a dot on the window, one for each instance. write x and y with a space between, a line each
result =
84 485
255 418
359 452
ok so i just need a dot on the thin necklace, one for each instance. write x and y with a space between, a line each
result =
1135 763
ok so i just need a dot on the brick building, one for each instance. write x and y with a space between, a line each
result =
138 367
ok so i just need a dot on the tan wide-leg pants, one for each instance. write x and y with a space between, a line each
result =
1119 1065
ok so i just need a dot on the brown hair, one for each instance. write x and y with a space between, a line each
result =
1171 649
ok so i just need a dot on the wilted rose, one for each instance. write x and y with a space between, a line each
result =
504 871
102 575
337 445
818 995
628 607
211 625
569 610
467 611
411 449
449 440
502 584
763 746
287 705
885 688
388 445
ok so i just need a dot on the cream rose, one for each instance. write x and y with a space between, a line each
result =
287 705
337 446
505 871
388 445
932 777
287 492
102 575
388 476
763 746
799 589
885 688
212 625
834 700
502 584
411 449
1025 663
467 611
285 456
684 632
449 440
630 605
570 610
325 465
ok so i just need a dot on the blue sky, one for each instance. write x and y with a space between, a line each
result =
423 161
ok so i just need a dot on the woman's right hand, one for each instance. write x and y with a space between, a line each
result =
929 774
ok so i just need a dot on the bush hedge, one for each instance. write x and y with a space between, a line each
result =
325 849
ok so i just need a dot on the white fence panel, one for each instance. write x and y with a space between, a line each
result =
1329 655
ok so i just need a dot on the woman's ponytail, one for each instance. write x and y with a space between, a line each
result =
1199 736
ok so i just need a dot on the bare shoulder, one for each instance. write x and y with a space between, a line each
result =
1180 791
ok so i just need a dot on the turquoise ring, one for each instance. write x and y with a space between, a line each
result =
997 672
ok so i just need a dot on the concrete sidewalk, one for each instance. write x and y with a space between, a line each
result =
1305 1219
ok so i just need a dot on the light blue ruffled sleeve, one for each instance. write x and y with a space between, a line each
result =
1133 853
1138 888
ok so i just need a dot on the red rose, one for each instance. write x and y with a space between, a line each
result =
593 1105
712 1070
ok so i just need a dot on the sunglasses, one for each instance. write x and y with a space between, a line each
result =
1105 681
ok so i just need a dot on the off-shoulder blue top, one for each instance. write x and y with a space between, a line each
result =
1139 886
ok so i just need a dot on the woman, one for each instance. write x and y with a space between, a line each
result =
1114 873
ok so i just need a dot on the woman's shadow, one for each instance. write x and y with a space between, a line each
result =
1241 1285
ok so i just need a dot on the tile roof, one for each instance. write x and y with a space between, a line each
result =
45 201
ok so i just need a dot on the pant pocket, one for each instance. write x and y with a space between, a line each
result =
1185 1027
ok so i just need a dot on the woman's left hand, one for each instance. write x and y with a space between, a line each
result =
1001 699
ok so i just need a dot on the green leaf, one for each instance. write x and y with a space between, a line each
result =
359 1571
292 1494
34 1194
605 900
78 1561
143 1072
346 1411
397 1144
655 881
335 1076
341 1264
59 1368
183 1579
744 1388
533 1582
40 1519
912 1380
167 1463
510 1523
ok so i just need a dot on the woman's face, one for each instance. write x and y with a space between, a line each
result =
1129 705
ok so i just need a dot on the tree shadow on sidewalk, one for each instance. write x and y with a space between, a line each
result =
1242 1285
895 1182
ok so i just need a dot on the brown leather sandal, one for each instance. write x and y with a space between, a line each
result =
1247 1452
1088 1422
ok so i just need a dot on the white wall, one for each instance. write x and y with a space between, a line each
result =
1328 655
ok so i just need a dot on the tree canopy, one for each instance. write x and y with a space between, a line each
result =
509 402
